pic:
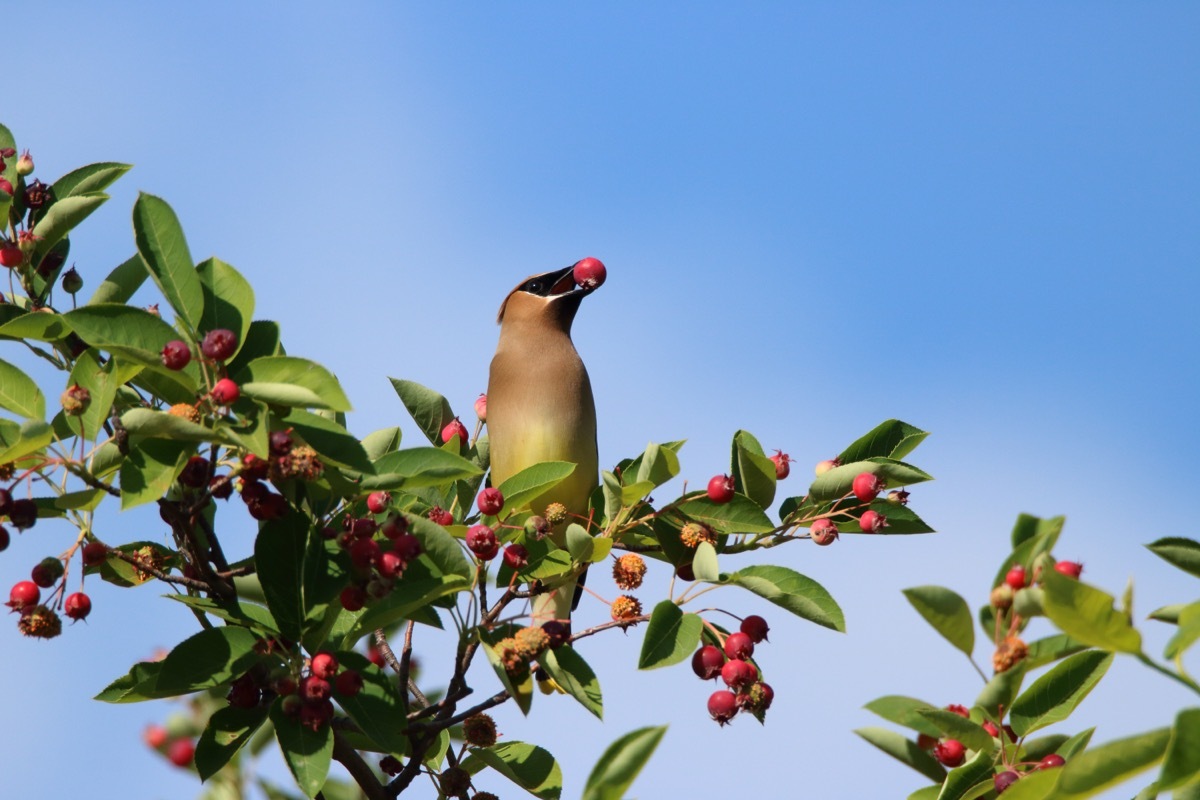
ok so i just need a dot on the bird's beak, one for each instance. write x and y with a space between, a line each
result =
562 282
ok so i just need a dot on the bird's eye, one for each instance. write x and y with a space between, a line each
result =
534 286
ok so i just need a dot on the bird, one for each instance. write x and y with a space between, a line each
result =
540 405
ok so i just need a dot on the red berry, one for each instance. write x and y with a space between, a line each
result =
353 598
94 553
10 254
364 552
377 502
375 656
1002 780
195 472
823 532
454 428
77 606
254 468
950 752
867 486
221 487
737 673
482 542
390 564
872 521
154 736
481 407
516 557
782 462
955 708
990 728
314 689
490 501
559 631
589 273
226 392
324 665
348 683
362 528
24 594
1072 569
181 752
316 715
46 572
441 516
757 698
739 645
219 344
722 705
707 662
407 546
176 354
1016 577
721 489
1051 761
23 514
394 526
284 685
756 628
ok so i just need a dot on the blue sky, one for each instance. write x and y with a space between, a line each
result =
981 220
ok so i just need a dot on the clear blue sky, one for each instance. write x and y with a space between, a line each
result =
982 220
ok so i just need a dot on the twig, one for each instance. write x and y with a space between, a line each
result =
363 775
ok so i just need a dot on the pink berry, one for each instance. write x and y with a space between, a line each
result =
313 689
481 407
176 355
589 273
226 392
490 501
1072 569
737 673
872 521
219 344
755 627
1016 577
739 645
77 606
707 662
348 683
324 665
516 557
867 486
377 502
390 564
823 532
991 728
1051 761
1002 780
181 752
353 598
155 736
24 594
722 706
782 462
955 708
721 488
950 752
454 428
10 254
481 540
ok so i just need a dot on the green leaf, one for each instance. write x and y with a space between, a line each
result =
704 563
19 394
63 215
91 178
954 726
889 439
291 381
1178 552
947 612
580 544
150 424
43 326
619 765
527 765
149 470
228 298
753 473
261 340
415 591
739 515
101 381
131 332
1188 632
161 244
572 673
1181 766
532 482
961 780
904 711
1102 767
1076 744
429 409
417 467
377 709
657 465
1000 690
228 729
838 481
333 442
788 589
135 686
247 615
671 636
1087 614
520 687
1051 648
1031 536
901 520
125 279
30 437
279 563
1053 696
442 549
208 658
307 752
381 442
905 751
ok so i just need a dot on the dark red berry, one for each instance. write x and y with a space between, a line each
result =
353 598
363 528
394 526
516 557
280 443
407 546
490 501
739 645
244 693
94 553
390 765
782 462
707 662
867 486
254 468
4 538
324 665
1002 780
559 632
23 514
950 752
364 552
219 344
1051 761
482 542
46 572
1016 577
176 354
316 715
454 428
722 705
872 521
195 472
737 673
226 392
377 502
441 516
721 488
221 487
24 594
348 683
6 501
314 689
756 628
180 752
1072 569
589 273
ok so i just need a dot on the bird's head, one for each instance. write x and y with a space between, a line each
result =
549 298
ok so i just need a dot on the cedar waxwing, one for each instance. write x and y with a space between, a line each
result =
540 406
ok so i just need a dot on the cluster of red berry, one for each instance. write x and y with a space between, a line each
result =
379 552
732 664
952 753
